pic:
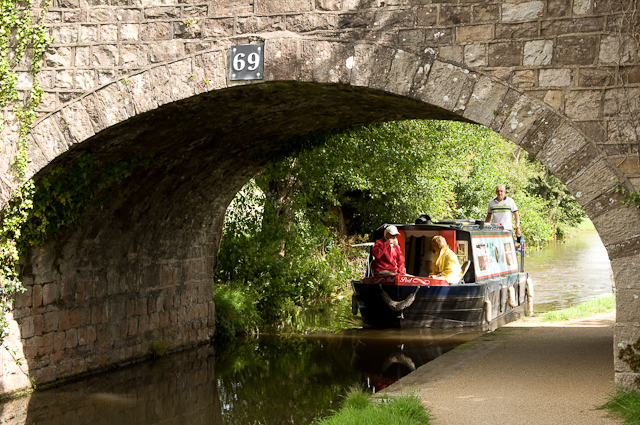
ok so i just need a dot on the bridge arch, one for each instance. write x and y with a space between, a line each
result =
139 269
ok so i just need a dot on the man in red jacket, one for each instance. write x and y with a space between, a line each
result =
388 258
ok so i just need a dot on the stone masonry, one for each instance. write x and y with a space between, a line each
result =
560 78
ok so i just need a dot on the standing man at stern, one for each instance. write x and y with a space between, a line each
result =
388 258
501 209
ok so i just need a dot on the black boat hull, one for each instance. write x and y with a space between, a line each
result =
441 307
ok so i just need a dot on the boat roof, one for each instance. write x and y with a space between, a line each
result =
466 225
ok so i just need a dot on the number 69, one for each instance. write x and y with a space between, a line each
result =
239 63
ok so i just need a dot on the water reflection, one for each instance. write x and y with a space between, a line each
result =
385 356
178 389
270 380
274 380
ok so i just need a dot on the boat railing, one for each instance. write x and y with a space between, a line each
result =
471 224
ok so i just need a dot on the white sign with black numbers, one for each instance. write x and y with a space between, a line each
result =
246 62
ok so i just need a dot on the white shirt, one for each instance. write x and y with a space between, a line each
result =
502 211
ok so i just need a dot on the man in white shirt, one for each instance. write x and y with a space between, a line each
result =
503 210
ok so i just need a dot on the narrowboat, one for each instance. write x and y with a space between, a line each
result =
493 286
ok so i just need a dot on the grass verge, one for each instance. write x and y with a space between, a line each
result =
358 408
585 309
236 312
624 404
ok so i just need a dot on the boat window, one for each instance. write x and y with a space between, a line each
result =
462 250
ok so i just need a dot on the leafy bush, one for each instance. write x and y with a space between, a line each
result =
282 268
534 221
236 312
281 261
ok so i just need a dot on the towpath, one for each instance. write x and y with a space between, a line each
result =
527 372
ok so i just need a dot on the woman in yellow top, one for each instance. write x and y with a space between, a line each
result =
446 264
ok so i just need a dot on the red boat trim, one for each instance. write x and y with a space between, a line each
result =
404 280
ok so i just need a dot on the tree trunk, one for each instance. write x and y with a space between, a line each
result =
342 224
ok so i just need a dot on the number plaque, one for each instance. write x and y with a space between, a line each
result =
246 62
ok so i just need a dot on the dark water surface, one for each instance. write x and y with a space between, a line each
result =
277 380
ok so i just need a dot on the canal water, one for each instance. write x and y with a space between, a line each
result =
280 379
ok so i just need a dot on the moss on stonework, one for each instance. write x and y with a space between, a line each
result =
631 356
13 395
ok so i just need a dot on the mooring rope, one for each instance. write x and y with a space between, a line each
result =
398 305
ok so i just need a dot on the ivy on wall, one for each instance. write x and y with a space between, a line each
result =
39 210
62 195
13 217
42 209
22 46
22 41
630 197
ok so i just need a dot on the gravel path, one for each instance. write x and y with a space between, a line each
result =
528 372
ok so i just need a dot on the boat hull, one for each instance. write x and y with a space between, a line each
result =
441 307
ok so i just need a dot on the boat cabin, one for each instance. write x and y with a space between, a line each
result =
484 251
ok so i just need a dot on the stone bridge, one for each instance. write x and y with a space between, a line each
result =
146 78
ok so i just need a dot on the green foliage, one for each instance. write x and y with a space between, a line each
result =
547 209
236 312
280 260
630 197
392 172
585 309
356 399
60 198
281 266
359 409
328 316
534 220
18 32
491 160
287 232
13 218
625 404
20 35
562 211
356 180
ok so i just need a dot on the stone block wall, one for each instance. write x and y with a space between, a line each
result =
72 322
